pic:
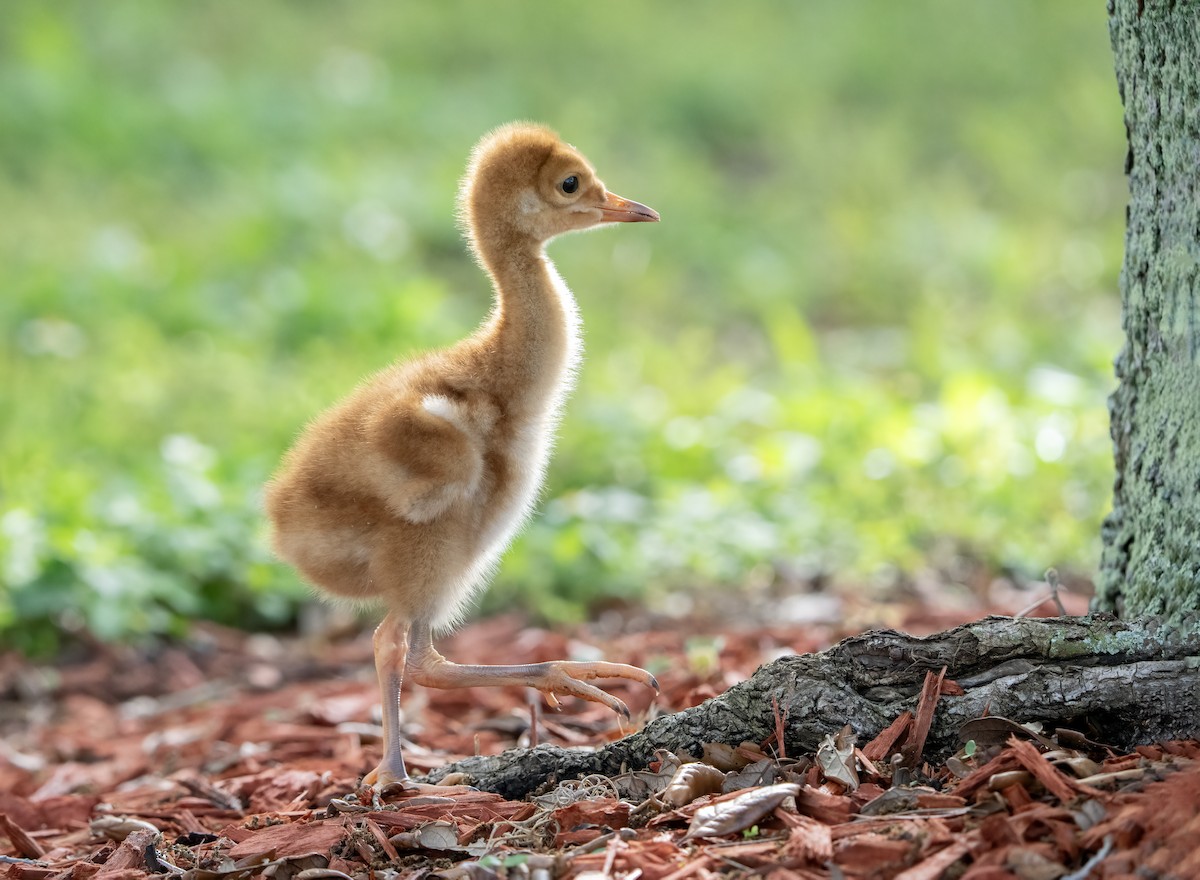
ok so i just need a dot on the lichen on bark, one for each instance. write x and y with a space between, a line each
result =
1151 560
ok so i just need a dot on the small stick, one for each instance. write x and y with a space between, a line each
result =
1055 585
778 728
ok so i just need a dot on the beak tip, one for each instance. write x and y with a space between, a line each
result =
619 210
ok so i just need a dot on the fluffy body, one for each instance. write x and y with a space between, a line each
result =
408 491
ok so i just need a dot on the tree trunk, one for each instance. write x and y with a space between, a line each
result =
1151 560
1121 683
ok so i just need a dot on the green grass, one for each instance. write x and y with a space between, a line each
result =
874 328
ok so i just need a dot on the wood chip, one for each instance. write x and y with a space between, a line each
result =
21 841
832 809
980 777
129 858
808 839
865 853
923 720
382 839
254 775
1056 782
951 688
935 865
607 813
881 747
291 840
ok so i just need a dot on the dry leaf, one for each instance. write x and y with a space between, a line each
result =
994 730
763 772
736 814
668 762
601 812
835 757
637 785
722 756
691 781
894 800
435 836
1028 864
118 827
1081 765
1003 780
957 767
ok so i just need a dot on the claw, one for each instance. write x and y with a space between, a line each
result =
392 789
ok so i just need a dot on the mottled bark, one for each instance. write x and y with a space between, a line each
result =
1151 561
1123 683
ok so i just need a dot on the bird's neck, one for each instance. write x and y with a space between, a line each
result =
531 342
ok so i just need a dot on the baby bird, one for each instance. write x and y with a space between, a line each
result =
408 491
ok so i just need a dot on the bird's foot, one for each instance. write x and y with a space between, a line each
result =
383 776
570 677
443 792
384 782
553 678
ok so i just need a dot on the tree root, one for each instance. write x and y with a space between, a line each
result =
1118 682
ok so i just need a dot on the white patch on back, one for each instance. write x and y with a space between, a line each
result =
444 408
475 420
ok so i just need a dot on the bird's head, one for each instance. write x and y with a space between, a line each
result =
525 181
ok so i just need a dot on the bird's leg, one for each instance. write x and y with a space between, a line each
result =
555 678
391 651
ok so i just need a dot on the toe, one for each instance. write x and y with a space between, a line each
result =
587 671
563 683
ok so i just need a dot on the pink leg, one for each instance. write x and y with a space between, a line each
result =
391 651
431 669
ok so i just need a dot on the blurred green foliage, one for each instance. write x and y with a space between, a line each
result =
876 322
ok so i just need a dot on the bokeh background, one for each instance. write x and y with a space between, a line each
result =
868 346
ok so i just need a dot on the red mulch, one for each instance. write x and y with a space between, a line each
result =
239 756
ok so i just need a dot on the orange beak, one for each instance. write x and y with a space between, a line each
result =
618 210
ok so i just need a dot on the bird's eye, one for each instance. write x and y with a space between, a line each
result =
570 184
